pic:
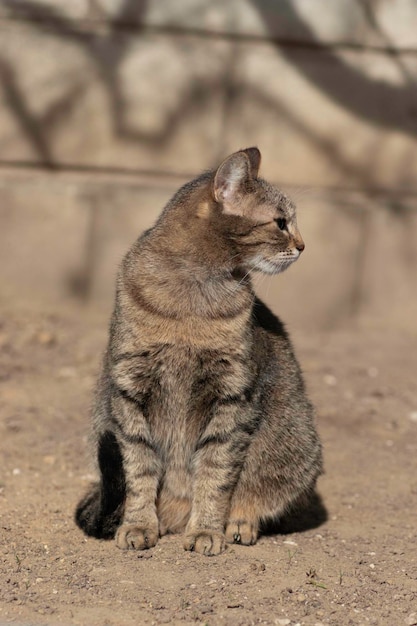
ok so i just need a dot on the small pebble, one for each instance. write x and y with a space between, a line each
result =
283 622
301 597
46 338
413 416
330 380
411 620
16 471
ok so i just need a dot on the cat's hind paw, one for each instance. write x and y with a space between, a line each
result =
207 542
131 537
242 532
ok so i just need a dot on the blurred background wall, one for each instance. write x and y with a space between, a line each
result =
107 106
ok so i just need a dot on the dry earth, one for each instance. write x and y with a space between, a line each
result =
357 567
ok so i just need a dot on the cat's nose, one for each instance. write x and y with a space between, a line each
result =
300 245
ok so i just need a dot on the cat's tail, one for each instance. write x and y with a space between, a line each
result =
100 512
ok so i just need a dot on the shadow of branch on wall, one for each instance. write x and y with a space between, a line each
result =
29 126
107 51
36 127
374 100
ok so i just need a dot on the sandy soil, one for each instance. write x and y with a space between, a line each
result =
358 566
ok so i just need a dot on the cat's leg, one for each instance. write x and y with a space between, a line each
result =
243 524
217 464
281 466
246 508
143 468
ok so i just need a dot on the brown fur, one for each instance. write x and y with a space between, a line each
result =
201 421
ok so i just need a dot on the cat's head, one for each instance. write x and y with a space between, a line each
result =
258 218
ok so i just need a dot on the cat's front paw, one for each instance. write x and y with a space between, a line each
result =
245 533
208 542
131 537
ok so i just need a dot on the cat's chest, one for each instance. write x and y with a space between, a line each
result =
180 372
184 384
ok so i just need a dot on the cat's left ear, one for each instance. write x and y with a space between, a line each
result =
230 180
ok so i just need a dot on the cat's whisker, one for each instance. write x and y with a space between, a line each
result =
248 273
234 256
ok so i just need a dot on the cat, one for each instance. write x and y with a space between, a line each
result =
201 421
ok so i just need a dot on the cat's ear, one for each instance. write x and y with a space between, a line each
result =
230 180
254 157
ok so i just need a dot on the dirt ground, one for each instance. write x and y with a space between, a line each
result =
358 566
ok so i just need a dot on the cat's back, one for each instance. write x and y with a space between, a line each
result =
274 352
269 333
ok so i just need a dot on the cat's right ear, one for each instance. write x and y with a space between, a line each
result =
254 157
230 180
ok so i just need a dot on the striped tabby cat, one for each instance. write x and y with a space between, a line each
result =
201 422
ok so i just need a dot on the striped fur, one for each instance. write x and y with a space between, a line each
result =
201 419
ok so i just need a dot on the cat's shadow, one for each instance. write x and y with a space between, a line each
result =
311 514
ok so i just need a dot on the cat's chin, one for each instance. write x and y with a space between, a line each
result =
273 267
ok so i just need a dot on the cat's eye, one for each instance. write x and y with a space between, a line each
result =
281 223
